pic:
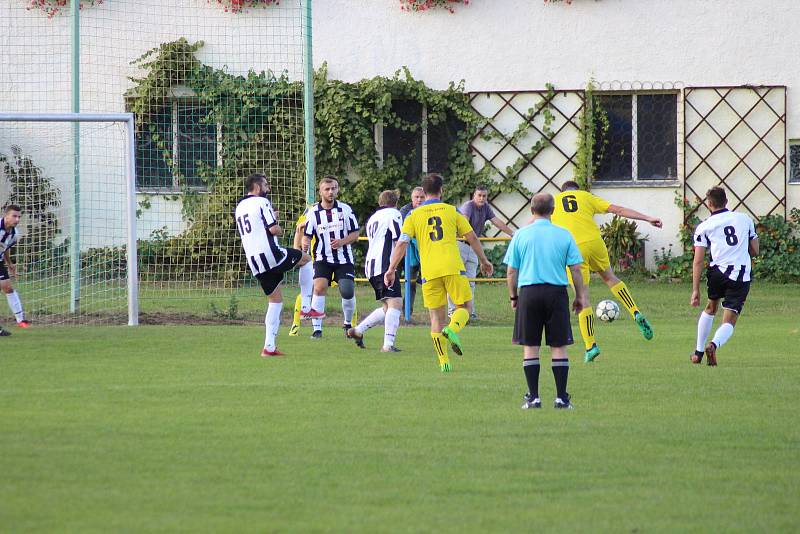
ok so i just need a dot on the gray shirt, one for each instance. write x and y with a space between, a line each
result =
477 216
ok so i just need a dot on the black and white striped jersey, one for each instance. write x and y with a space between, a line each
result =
8 237
254 218
383 231
327 225
727 235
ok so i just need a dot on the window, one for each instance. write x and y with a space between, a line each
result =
794 160
641 144
426 149
183 128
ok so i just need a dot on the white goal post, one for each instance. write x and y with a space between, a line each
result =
127 121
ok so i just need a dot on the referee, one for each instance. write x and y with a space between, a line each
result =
537 258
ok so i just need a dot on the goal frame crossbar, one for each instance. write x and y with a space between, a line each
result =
130 180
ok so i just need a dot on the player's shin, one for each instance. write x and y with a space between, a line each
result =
16 306
348 307
391 324
723 334
373 319
704 324
623 294
586 324
440 346
298 307
306 279
272 323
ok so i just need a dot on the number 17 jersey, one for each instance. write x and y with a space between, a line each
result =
436 226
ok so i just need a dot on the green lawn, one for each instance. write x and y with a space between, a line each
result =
165 428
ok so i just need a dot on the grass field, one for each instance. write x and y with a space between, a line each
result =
165 428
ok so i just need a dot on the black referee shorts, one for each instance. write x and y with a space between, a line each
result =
270 279
543 307
733 292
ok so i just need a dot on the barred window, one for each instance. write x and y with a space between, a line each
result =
794 160
184 130
640 144
427 149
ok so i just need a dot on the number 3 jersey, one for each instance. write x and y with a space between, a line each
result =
254 218
436 226
727 235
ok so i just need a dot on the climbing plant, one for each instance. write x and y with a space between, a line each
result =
591 148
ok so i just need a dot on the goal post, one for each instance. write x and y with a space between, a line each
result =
17 128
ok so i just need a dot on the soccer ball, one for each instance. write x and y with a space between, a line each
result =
607 310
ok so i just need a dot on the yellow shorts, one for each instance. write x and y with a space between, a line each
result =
595 259
435 292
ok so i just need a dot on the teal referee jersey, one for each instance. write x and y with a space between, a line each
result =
540 252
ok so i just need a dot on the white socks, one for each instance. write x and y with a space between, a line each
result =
723 334
306 276
15 305
348 307
317 303
704 324
272 321
390 328
373 319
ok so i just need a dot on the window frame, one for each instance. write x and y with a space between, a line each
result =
791 179
635 180
378 135
177 96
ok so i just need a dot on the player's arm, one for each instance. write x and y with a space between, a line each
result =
352 237
298 236
752 244
498 222
633 214
398 253
486 266
511 281
12 269
697 270
581 291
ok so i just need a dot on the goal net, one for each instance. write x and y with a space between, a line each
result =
216 88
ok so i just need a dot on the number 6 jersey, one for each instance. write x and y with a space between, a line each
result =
254 218
727 234
436 226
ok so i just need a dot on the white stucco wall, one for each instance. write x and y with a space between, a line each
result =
491 44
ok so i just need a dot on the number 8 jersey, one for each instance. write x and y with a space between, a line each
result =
727 234
436 226
254 218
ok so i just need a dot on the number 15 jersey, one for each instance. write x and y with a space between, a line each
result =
436 226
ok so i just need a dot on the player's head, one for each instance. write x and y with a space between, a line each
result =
417 197
543 204
256 184
716 199
569 185
388 199
432 185
328 188
12 214
480 195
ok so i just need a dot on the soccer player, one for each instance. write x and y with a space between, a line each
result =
383 231
334 227
575 210
417 198
268 260
302 304
538 257
9 238
732 241
436 226
477 211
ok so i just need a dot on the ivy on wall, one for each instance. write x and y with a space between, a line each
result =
591 147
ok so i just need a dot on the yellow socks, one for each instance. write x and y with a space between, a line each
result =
458 320
624 296
586 323
440 345
298 304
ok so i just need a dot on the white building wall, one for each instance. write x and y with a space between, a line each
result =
491 44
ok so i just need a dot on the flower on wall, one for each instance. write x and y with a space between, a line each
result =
54 7
237 6
425 5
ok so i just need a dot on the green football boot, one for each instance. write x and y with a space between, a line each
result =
644 326
452 337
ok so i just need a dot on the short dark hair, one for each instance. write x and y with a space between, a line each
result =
569 185
543 204
251 181
328 179
13 207
388 198
432 183
717 197
480 187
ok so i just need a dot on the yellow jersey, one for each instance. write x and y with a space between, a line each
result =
301 220
575 211
436 226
